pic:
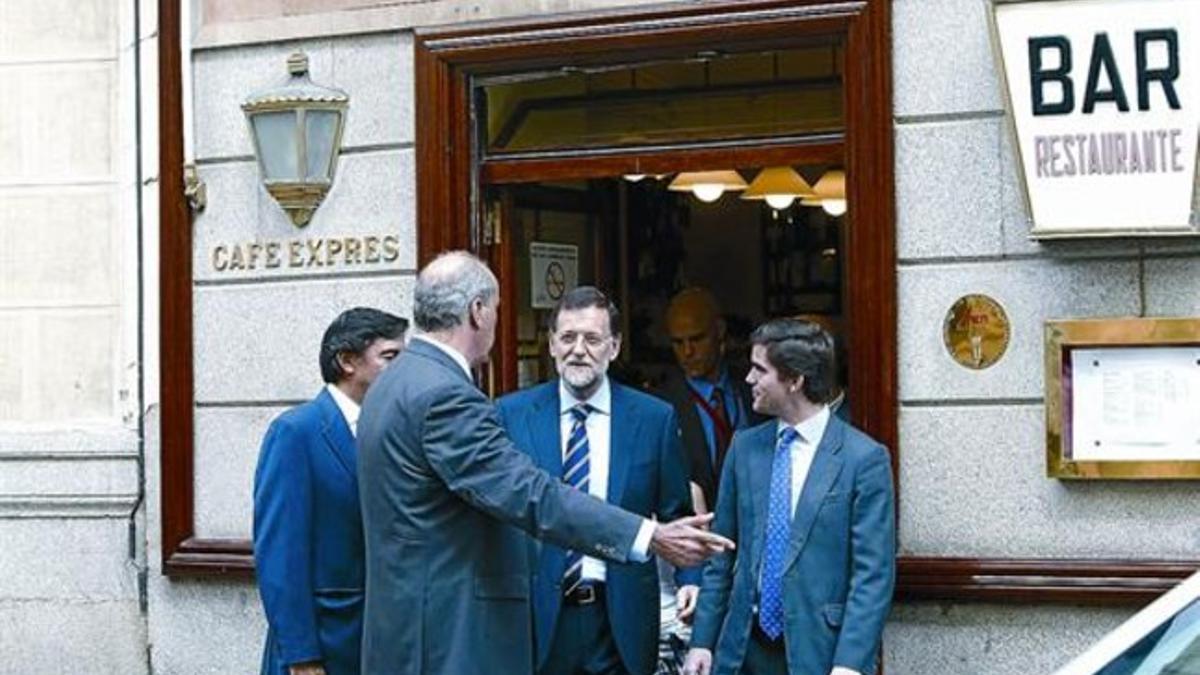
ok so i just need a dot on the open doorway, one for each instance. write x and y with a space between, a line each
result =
530 133
643 243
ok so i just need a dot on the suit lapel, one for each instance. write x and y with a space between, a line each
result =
760 453
545 429
336 433
826 465
623 430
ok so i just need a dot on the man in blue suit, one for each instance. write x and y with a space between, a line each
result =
619 445
308 538
809 500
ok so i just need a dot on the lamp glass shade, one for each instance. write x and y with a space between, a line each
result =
708 192
780 202
728 180
275 133
780 186
834 207
321 128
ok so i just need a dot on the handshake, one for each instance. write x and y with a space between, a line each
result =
686 542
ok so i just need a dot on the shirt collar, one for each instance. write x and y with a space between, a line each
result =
812 429
349 408
449 351
600 400
705 388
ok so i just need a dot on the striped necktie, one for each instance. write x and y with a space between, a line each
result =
576 469
779 524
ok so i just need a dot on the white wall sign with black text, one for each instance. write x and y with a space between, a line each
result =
1104 96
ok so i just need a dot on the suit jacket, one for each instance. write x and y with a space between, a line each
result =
447 580
646 475
308 540
840 569
695 444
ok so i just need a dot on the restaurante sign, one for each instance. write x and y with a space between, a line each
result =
1104 96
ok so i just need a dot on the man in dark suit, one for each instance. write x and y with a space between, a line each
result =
711 401
622 446
447 581
810 500
308 540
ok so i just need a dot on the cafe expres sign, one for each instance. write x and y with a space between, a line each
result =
1104 96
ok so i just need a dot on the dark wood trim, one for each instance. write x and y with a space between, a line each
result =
822 150
175 293
1087 581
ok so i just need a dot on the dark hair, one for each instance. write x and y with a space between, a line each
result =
353 331
798 348
581 297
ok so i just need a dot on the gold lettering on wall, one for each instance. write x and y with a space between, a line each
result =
305 253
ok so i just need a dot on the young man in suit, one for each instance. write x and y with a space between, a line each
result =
809 500
711 400
619 445
447 582
308 540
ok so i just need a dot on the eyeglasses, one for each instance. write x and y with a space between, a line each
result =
590 340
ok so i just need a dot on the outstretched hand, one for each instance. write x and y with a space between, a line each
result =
686 542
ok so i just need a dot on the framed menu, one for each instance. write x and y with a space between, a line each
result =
1123 398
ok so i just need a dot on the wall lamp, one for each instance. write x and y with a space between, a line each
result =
297 133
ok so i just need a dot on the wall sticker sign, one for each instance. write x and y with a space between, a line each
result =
1104 96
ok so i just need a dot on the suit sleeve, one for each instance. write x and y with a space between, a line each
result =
469 450
283 521
873 571
674 494
718 574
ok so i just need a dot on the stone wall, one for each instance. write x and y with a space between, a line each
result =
72 561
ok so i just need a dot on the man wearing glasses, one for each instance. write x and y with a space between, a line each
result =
617 444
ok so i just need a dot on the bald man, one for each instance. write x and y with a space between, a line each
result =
710 400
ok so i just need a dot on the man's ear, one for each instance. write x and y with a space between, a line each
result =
346 362
474 312
616 346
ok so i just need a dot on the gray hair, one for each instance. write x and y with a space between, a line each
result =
447 287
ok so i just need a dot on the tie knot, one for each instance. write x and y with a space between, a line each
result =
581 411
787 436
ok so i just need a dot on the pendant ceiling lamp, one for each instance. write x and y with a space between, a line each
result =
779 186
708 186
831 190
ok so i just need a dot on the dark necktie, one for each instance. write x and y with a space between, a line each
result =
779 525
576 469
722 429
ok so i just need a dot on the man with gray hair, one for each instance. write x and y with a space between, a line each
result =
447 579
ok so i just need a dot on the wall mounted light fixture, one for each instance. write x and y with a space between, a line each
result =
297 133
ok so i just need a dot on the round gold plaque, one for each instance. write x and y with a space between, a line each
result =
976 331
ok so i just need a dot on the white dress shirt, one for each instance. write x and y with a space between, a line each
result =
349 408
804 449
599 434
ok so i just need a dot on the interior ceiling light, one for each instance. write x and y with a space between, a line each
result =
779 186
633 177
831 193
708 186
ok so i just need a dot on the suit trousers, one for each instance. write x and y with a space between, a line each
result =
583 643
764 656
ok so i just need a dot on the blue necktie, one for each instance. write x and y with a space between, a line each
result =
576 468
779 523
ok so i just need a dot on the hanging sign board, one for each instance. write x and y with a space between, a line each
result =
554 269
1104 96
